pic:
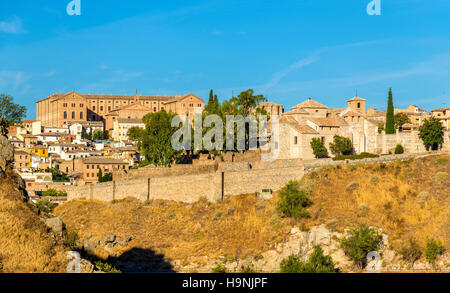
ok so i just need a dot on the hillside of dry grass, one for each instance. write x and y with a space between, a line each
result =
25 244
405 199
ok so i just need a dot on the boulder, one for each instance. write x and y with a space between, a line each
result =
6 154
108 238
56 224
89 246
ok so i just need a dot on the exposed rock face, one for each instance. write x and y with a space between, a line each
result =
6 154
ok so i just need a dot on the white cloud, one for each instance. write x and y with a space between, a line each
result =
13 79
12 26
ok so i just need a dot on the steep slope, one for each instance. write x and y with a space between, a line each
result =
26 246
404 199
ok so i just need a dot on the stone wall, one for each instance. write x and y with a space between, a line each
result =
230 179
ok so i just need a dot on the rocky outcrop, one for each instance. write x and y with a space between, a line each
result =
55 224
6 154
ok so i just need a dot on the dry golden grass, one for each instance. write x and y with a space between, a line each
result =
25 245
388 197
237 227
245 226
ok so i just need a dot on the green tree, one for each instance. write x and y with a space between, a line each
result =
400 119
293 200
412 252
10 113
136 134
100 175
433 249
432 133
380 127
156 144
341 145
86 135
98 134
399 149
317 263
213 106
318 147
390 126
247 101
361 241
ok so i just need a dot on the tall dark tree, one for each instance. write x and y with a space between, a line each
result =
10 113
390 123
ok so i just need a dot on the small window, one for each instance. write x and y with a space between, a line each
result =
65 115
359 105
295 140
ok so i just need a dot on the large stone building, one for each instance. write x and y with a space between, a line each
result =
59 110
311 119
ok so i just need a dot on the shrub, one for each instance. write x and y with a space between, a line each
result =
247 269
442 160
441 176
71 239
423 197
352 187
341 145
44 207
433 249
318 147
361 241
317 263
374 180
53 193
107 268
412 252
399 149
364 209
293 200
362 155
219 269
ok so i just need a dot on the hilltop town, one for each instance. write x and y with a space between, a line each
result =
89 156
76 135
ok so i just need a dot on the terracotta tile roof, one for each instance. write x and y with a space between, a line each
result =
287 119
269 104
30 121
329 121
310 104
296 111
356 99
351 113
303 129
440 109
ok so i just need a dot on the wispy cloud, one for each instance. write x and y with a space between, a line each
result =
13 79
299 64
11 26
315 56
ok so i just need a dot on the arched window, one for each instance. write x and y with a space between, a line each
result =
359 105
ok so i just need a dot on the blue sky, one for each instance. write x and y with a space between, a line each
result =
286 50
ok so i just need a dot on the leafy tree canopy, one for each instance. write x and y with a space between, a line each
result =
432 133
10 113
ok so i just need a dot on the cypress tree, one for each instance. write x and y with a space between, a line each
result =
210 106
390 128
